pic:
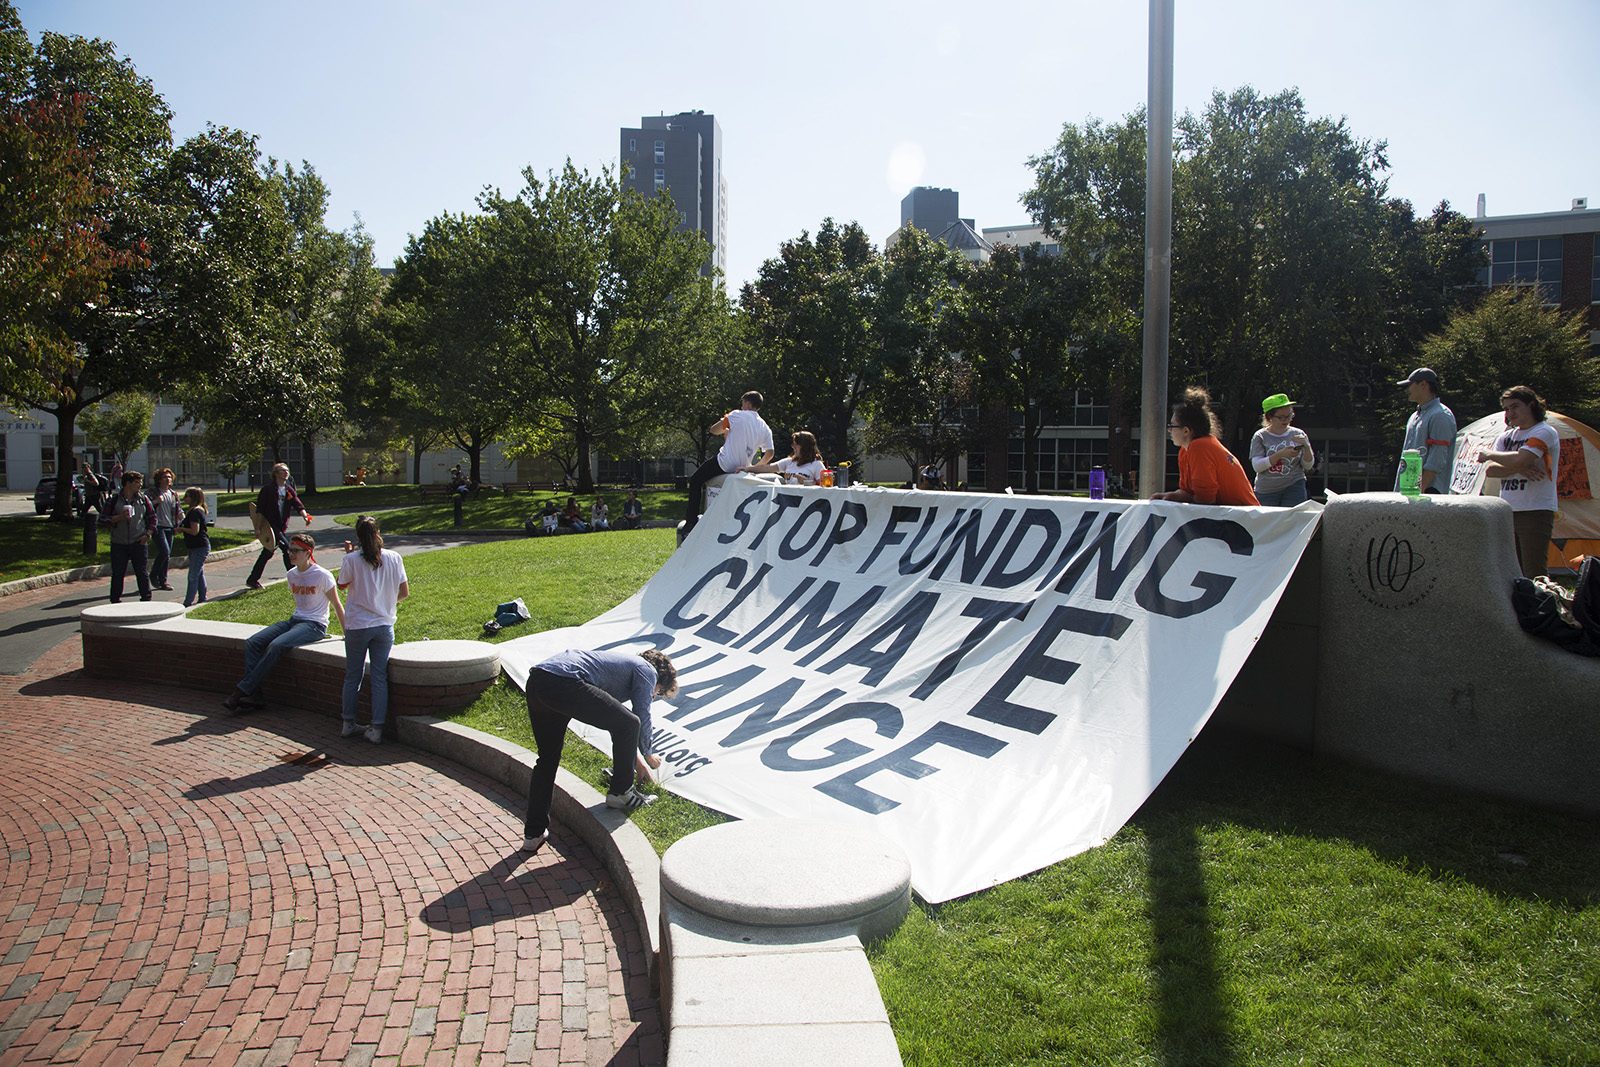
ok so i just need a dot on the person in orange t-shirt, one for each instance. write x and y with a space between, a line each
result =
1207 472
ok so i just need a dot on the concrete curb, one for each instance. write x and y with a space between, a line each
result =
180 561
620 845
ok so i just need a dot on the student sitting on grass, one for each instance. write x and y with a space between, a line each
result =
314 590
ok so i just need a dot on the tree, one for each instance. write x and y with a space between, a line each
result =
1021 317
448 341
915 407
812 308
1511 338
601 298
235 262
83 135
123 422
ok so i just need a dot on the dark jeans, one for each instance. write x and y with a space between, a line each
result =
91 532
163 555
553 701
711 468
121 557
266 554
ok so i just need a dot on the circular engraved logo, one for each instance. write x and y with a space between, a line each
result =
1392 563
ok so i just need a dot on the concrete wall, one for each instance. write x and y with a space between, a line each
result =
1396 647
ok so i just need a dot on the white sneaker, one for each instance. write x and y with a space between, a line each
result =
534 844
632 800
375 734
349 729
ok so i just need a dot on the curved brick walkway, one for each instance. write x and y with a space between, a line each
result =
171 890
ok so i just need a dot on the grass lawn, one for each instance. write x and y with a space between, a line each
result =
1261 907
32 544
332 498
498 511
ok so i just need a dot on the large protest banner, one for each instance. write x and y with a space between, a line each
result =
994 682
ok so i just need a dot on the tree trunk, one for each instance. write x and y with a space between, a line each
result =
475 455
1030 447
996 448
585 470
308 448
1119 432
66 423
416 460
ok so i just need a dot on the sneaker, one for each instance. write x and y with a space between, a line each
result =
375 734
231 701
632 800
349 729
165 586
253 585
534 844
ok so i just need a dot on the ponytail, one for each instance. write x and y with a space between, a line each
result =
371 541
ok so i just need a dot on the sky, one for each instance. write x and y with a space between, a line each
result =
836 108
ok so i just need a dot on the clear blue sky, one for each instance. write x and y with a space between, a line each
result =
408 108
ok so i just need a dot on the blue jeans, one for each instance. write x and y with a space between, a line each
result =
373 641
122 556
195 591
163 555
262 650
1287 497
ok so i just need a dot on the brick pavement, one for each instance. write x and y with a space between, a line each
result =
174 889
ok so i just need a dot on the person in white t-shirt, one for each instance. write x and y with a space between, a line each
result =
1526 458
802 466
374 581
743 433
314 590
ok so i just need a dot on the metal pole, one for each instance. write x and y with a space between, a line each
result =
1157 254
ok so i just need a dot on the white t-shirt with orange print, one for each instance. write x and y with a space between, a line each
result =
1520 491
310 588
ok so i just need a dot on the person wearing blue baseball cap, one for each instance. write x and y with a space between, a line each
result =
1431 430
1281 454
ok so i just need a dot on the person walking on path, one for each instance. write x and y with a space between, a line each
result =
196 543
1281 455
1526 458
275 503
374 582
1207 471
314 591
744 433
590 687
132 518
166 502
96 492
1431 430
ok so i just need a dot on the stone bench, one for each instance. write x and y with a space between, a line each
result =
157 642
762 924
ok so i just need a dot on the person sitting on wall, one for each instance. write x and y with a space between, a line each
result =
743 431
1207 472
314 590
802 466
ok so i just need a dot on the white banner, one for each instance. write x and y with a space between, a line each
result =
995 682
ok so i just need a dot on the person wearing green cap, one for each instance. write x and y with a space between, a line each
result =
1281 454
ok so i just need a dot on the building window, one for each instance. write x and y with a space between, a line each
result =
1594 274
633 144
4 481
661 152
47 454
1085 410
661 179
1526 261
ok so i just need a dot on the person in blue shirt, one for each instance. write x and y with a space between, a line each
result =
1431 430
591 687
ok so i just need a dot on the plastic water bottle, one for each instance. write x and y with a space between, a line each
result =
1097 483
1411 472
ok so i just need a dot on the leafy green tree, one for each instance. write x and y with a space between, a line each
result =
1511 338
600 299
123 422
916 406
812 308
234 263
1022 310
82 137
450 350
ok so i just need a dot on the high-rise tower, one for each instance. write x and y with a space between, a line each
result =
682 154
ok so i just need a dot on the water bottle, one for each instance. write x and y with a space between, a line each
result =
1097 483
1411 472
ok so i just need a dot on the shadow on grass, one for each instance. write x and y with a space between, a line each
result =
1193 1021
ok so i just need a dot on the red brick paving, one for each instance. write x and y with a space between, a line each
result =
172 891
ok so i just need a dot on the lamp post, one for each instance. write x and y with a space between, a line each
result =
1157 253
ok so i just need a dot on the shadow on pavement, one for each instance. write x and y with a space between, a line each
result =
499 893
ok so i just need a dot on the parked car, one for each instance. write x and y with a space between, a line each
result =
44 495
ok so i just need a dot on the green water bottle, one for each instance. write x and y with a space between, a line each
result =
1411 472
